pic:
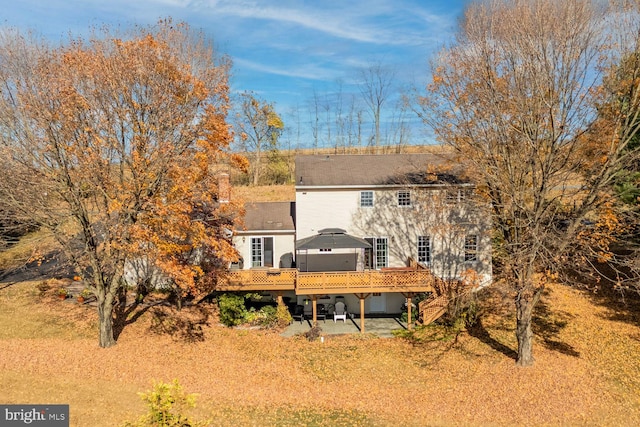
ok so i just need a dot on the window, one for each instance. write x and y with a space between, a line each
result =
471 248
262 252
366 199
424 249
404 198
458 195
378 255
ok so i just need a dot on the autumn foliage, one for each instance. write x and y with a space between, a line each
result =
113 144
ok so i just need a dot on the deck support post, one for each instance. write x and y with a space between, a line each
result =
409 322
279 298
362 297
361 315
409 296
314 306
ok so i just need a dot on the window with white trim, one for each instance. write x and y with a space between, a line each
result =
377 256
262 251
404 198
424 249
366 199
471 248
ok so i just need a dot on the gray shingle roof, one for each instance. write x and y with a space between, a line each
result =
372 169
272 216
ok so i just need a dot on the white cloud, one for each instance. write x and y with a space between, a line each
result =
351 20
309 71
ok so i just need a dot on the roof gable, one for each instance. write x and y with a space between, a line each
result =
269 216
372 170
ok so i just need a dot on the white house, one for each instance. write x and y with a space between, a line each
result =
369 214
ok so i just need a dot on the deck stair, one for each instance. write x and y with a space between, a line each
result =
433 307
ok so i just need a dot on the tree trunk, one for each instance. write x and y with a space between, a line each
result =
105 319
525 302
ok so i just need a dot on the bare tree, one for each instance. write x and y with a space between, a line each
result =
259 127
515 97
375 87
314 116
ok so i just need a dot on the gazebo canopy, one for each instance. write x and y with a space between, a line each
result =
331 238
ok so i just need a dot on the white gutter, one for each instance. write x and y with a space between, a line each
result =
372 187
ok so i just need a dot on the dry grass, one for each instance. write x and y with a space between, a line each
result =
29 248
587 370
265 193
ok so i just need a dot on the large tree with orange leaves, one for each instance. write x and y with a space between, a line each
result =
112 142
516 96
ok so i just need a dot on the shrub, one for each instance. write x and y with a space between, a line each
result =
44 286
283 317
414 315
462 312
167 404
232 309
313 333
265 316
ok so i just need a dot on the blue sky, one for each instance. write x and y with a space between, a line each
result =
284 50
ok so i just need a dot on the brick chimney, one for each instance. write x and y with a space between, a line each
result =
224 188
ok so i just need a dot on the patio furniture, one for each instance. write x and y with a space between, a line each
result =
340 312
298 313
322 313
308 310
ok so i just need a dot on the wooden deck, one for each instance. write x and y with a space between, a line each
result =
336 282
259 280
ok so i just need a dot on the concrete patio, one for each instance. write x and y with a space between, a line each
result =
380 326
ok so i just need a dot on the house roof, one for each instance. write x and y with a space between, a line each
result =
331 238
269 216
374 169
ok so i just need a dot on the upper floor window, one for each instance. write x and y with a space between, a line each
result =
458 195
404 198
366 199
424 249
471 248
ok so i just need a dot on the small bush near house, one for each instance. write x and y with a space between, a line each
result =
313 333
167 404
462 312
283 317
265 316
414 316
232 309
233 312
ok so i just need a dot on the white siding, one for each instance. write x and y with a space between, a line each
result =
316 210
445 223
282 244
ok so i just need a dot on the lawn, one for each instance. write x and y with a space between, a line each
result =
587 369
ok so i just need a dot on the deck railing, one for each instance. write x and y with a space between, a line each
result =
328 282
260 279
366 281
